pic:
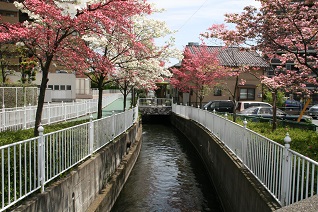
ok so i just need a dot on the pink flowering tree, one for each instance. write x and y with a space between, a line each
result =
199 72
56 27
288 81
129 58
281 29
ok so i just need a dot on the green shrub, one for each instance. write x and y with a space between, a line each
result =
9 137
303 141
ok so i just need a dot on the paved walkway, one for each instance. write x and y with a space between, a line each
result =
116 107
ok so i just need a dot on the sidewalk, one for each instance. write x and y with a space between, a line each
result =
116 107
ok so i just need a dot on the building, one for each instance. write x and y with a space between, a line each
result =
60 87
234 58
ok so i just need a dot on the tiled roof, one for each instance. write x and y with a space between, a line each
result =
234 57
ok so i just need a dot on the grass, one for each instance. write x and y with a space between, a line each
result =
9 137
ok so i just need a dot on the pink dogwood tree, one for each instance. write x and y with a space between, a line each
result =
135 61
284 30
199 71
56 27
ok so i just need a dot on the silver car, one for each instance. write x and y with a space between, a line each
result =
313 111
267 112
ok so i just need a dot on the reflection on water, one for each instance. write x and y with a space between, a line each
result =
168 176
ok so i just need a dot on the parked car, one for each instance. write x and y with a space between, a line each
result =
313 111
220 106
292 104
242 105
267 112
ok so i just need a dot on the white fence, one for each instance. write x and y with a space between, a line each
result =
18 96
28 165
24 117
286 174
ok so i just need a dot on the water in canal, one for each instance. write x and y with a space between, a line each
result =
168 176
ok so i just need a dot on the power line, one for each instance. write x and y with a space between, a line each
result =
192 15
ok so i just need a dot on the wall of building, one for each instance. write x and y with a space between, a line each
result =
9 13
83 88
95 184
61 86
237 188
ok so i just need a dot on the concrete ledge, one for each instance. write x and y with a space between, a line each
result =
107 197
307 205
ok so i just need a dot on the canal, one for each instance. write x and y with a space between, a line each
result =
168 176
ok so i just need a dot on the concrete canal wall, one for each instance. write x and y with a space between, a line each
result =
95 184
237 188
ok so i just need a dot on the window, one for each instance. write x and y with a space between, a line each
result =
68 87
56 87
50 87
247 94
217 92
62 87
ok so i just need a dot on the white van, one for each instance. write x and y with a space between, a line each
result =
242 105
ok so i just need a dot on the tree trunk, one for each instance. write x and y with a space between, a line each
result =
134 97
125 97
100 101
235 98
274 96
38 116
3 75
201 99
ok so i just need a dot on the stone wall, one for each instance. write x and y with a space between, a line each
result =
237 188
155 110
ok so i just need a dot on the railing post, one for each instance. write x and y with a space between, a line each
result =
49 113
245 123
65 111
41 158
91 135
24 117
244 142
76 108
113 125
286 171
3 118
30 114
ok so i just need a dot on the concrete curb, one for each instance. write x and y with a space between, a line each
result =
107 197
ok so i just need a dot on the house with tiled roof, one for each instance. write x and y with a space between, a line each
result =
232 57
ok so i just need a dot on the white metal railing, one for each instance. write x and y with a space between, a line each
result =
29 165
154 102
286 174
24 117
18 96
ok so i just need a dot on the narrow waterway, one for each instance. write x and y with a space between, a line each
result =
168 176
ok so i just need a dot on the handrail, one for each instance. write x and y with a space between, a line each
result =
27 166
286 174
24 117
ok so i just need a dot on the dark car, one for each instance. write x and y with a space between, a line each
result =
267 112
292 104
220 106
313 111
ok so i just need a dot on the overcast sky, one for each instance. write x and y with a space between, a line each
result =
192 17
